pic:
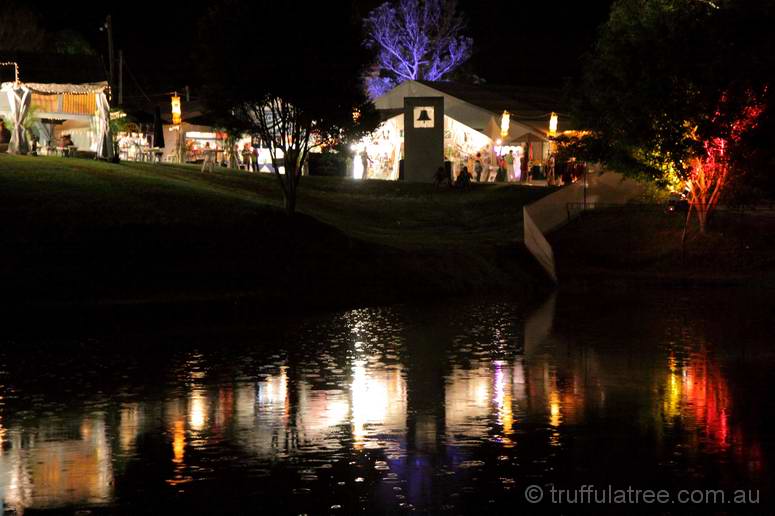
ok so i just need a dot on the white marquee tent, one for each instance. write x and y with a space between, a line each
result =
83 108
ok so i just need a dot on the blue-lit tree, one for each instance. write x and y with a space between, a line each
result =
415 40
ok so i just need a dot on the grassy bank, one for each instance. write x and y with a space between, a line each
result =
643 245
83 232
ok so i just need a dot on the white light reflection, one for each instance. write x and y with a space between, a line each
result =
467 403
197 409
502 387
378 400
273 391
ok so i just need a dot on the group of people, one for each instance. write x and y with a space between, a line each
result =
444 175
511 167
514 167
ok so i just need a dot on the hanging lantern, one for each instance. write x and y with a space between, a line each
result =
553 124
176 119
505 122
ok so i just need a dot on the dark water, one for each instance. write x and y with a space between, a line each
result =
448 409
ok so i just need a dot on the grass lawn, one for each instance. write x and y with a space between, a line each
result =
643 244
80 231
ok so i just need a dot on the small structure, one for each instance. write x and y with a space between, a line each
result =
52 109
485 120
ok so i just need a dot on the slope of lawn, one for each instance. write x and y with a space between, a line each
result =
643 244
79 231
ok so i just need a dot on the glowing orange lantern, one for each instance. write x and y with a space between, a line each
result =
176 118
505 121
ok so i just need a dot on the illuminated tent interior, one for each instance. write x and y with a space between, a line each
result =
54 95
478 119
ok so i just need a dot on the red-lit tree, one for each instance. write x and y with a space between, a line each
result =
674 88
709 172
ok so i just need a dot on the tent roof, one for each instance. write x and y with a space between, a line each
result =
89 87
478 105
524 103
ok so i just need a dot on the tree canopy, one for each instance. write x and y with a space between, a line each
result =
668 75
20 29
677 89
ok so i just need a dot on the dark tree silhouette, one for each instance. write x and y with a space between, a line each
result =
20 29
415 40
289 75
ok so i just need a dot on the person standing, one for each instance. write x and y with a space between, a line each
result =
247 156
478 167
550 171
510 163
365 160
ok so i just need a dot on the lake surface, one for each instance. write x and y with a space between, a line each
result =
451 408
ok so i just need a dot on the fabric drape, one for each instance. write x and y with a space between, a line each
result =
104 138
19 98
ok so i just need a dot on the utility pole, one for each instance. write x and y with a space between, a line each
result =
120 77
111 58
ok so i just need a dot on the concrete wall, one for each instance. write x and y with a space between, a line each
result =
559 208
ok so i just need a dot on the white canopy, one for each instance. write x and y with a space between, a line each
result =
104 138
19 98
477 117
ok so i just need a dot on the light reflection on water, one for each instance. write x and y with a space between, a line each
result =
395 409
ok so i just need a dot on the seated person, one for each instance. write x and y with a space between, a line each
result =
5 134
440 176
464 178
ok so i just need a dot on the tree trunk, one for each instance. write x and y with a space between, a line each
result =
290 182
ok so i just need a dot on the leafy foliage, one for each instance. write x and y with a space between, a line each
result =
669 76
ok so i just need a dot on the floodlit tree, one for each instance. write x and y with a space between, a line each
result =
415 40
674 88
295 87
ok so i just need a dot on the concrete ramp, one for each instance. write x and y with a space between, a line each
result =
557 209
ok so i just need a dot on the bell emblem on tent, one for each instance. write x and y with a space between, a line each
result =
423 116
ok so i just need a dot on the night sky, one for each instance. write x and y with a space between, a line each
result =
514 42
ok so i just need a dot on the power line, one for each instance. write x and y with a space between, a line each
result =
137 83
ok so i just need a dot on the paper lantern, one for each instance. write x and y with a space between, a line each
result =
176 119
553 124
505 122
